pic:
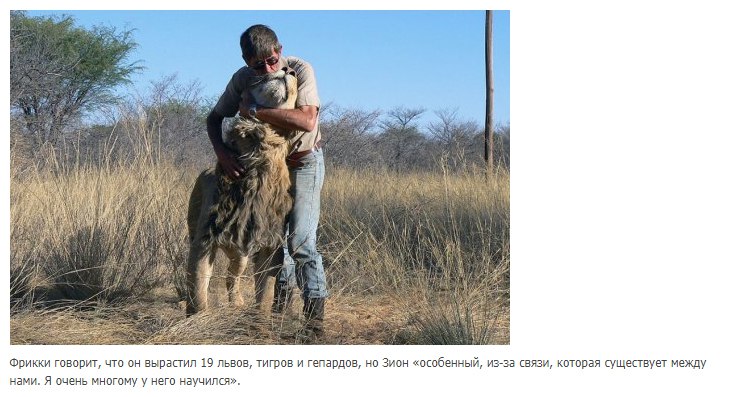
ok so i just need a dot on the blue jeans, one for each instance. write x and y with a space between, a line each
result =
302 261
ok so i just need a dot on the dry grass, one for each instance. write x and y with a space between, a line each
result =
97 254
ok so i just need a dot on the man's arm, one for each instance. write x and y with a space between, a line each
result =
226 158
303 118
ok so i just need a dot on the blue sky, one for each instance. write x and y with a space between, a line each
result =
363 59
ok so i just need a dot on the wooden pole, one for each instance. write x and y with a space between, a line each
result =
489 125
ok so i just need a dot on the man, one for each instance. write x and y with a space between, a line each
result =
262 54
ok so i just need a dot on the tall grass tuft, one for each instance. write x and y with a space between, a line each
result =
83 232
451 322
437 243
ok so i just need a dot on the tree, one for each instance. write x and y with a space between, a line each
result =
455 137
348 135
58 71
169 122
502 146
400 142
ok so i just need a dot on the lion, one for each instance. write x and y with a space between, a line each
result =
244 218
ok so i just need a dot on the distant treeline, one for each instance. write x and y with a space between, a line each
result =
63 81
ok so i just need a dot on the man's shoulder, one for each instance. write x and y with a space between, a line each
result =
241 76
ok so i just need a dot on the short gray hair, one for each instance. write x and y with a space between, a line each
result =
258 41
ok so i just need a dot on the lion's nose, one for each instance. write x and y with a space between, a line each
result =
289 71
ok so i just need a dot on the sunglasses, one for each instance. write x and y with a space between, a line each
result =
261 65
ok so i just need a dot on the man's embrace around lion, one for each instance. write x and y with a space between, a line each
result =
261 52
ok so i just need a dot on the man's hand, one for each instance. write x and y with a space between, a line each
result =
230 165
244 105
226 157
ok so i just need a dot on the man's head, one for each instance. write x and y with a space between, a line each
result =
261 49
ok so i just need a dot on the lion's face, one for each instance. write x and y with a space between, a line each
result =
275 90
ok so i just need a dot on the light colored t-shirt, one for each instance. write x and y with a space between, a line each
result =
307 95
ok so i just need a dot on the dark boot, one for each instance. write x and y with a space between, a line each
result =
282 297
314 319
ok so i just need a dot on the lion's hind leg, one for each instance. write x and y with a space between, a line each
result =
202 252
200 269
